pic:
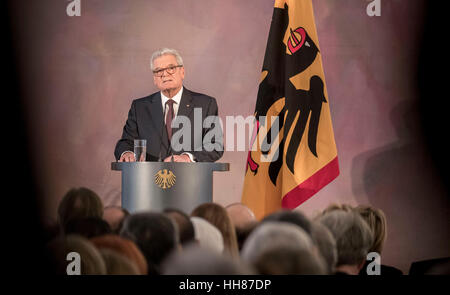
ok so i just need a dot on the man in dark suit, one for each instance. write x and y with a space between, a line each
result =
158 117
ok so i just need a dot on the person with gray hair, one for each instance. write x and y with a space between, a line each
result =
195 260
326 244
353 239
207 235
273 234
157 117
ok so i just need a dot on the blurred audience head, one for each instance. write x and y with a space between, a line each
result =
293 217
240 215
79 203
92 262
341 207
87 227
218 216
194 260
353 239
207 235
242 233
376 220
117 264
289 260
271 234
124 247
185 227
154 233
115 216
326 244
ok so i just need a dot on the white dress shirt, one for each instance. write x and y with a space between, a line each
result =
176 105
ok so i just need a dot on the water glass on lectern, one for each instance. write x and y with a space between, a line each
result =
140 149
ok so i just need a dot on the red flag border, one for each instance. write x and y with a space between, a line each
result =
311 186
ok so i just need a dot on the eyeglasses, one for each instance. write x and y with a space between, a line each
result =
170 70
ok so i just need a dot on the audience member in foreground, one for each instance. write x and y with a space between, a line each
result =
244 221
218 216
194 260
154 233
353 239
124 247
92 262
293 217
376 220
117 264
110 241
326 244
115 216
186 232
79 203
240 214
290 260
87 227
273 234
207 235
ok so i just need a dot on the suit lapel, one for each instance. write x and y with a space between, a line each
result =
156 116
186 106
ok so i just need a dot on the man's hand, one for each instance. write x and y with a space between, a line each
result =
127 157
178 158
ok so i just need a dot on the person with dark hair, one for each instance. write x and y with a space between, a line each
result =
218 216
154 233
115 215
87 227
294 217
243 232
79 203
185 227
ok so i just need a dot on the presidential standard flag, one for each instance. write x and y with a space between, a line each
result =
293 153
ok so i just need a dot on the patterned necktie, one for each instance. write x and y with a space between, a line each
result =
169 118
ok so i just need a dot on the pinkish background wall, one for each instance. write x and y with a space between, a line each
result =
81 74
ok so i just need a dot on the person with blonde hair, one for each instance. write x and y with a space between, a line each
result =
376 220
218 216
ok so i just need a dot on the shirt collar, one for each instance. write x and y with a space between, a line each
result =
176 98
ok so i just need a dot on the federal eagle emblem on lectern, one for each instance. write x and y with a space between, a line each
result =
165 179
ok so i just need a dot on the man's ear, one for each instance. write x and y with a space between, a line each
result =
182 73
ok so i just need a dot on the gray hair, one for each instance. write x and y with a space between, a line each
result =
326 244
208 235
352 234
273 234
164 51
